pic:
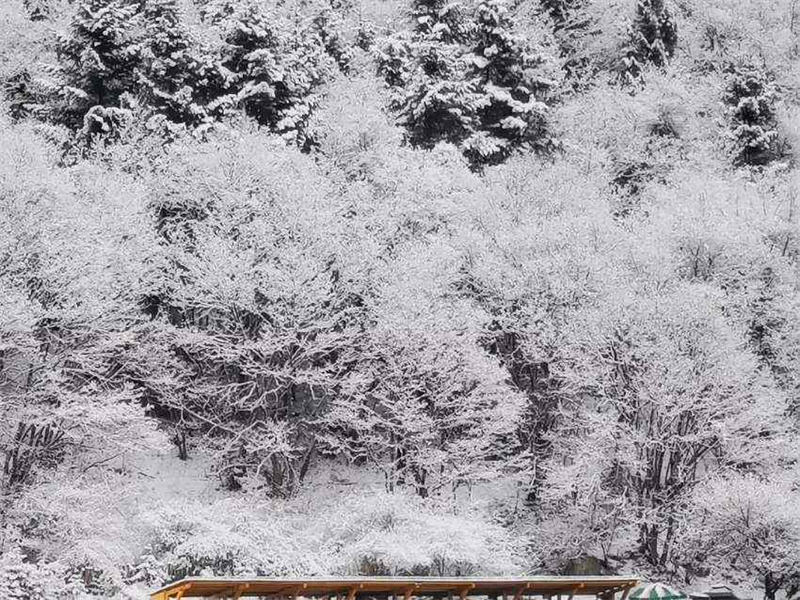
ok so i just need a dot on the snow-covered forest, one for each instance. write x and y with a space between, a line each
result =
384 287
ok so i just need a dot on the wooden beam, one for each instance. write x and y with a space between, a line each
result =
291 592
235 592
349 588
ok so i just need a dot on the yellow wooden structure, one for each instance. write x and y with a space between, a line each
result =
400 588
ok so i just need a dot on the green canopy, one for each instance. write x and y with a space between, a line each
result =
655 591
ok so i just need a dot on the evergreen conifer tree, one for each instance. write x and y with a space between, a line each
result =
653 36
470 80
572 26
98 57
558 10
750 97
178 77
275 67
512 80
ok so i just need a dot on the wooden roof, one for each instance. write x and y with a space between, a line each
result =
405 587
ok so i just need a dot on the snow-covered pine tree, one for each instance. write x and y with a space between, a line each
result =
558 10
750 98
572 26
439 101
329 26
276 65
441 20
468 79
97 57
652 37
512 79
434 98
177 76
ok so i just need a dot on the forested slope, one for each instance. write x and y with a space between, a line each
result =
398 287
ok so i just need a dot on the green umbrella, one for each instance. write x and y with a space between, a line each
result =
655 591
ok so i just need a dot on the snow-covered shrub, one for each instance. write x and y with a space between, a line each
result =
353 129
638 139
221 538
396 534
21 579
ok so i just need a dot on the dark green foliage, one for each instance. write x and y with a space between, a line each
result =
470 80
365 36
750 96
275 66
98 57
141 54
515 84
447 22
653 37
104 121
176 75
558 10
393 55
438 102
37 9
328 26
18 95
571 26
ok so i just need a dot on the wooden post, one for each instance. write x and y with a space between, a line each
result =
293 592
351 593
240 589
575 590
